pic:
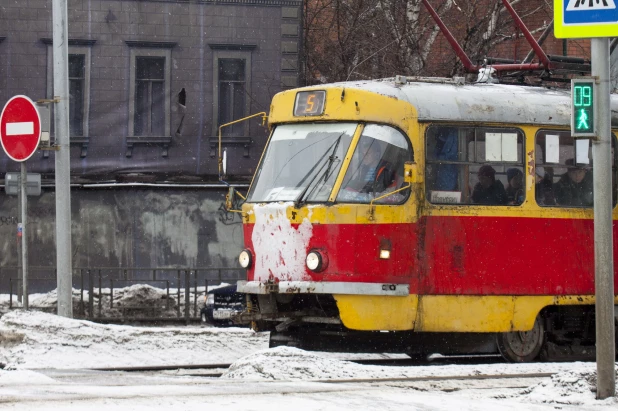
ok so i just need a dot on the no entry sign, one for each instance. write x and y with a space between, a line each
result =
20 128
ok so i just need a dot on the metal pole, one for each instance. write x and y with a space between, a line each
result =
63 164
18 235
187 296
24 241
603 225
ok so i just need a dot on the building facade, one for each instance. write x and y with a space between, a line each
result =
150 82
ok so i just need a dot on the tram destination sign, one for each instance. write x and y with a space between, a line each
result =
585 18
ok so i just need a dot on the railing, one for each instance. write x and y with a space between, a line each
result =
180 286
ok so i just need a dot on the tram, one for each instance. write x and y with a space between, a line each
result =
424 216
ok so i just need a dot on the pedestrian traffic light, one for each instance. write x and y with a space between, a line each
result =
582 108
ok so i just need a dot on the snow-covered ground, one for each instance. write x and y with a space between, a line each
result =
46 360
136 300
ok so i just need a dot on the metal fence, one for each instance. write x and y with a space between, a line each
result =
123 294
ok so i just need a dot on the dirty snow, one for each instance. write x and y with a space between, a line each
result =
135 300
38 340
45 360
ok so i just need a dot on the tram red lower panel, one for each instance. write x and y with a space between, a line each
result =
462 255
507 256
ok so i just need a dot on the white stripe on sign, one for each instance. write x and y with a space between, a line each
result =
16 129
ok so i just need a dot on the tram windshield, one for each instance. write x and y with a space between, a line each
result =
302 162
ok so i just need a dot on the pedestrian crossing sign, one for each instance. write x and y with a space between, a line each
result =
585 18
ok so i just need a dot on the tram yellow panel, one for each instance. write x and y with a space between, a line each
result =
577 300
366 313
339 214
448 313
464 313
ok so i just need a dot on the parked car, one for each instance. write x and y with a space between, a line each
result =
221 304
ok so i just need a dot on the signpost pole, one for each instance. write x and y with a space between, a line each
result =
63 169
24 241
603 225
18 233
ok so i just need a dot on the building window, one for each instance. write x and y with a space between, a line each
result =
149 103
149 96
232 82
79 88
232 95
77 92
475 165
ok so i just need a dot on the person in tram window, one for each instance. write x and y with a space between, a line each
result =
515 188
375 174
446 148
544 189
574 187
488 190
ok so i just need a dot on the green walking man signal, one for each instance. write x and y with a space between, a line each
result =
582 108
582 120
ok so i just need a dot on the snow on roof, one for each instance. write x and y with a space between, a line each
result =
447 100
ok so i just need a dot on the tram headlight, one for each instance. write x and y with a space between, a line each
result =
316 260
245 258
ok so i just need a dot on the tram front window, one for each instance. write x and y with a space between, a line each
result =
376 168
302 162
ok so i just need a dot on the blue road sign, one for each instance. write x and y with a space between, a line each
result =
590 11
585 18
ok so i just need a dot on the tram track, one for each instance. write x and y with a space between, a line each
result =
379 380
440 378
395 362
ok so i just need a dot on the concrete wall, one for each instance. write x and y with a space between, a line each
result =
126 228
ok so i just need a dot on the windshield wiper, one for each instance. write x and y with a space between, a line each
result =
331 159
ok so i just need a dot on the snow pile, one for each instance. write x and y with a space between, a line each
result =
138 300
23 377
288 363
30 339
567 388
46 302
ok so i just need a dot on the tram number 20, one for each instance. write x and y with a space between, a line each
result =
309 103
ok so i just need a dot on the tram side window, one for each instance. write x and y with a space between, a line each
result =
474 165
564 170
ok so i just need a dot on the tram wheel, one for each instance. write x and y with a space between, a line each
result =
522 346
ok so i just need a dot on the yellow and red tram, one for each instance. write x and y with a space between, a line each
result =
423 216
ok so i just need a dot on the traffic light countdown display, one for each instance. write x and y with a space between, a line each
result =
582 108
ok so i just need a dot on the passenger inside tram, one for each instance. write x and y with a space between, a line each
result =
488 190
375 173
544 189
515 187
575 186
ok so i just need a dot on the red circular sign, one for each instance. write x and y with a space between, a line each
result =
20 128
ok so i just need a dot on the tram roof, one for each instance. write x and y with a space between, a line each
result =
447 100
